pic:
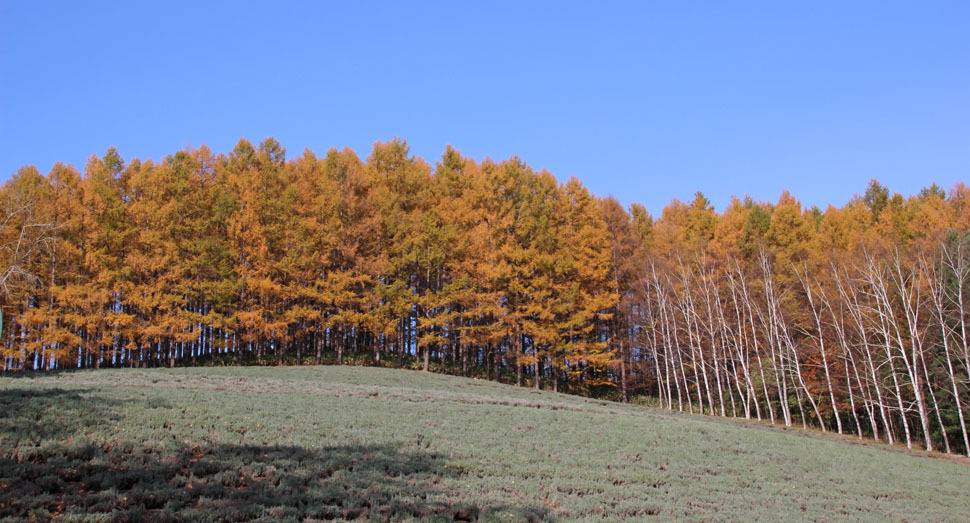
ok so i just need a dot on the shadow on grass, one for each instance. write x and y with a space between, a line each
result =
45 472
30 374
42 416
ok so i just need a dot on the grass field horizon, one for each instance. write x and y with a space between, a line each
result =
361 443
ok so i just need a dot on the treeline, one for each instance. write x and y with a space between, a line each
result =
850 319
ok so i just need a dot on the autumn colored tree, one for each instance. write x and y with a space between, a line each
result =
852 319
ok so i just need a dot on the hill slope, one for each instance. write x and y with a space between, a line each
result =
351 442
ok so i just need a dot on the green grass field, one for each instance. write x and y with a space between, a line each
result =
381 444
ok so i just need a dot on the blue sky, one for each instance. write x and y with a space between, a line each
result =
646 101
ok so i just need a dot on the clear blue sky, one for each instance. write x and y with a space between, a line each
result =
644 100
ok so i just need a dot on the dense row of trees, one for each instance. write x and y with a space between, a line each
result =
851 319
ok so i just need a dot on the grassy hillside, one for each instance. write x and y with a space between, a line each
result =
365 443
